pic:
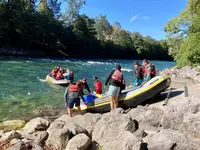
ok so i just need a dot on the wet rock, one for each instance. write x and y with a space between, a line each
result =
12 125
79 142
9 136
36 124
114 131
18 146
191 125
168 140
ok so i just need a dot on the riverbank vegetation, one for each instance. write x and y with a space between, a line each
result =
41 27
183 34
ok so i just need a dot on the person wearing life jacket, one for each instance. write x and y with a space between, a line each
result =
70 76
84 85
97 85
114 79
59 75
139 74
54 72
72 97
149 70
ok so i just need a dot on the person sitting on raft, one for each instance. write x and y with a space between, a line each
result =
59 75
139 74
97 85
84 85
54 72
70 76
72 97
115 81
149 70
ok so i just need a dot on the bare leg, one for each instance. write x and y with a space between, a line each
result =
79 110
111 103
116 101
69 112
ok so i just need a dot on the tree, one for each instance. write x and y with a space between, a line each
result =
72 12
103 28
117 25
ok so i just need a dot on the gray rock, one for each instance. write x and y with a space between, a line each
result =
18 146
58 138
60 132
79 142
26 135
41 138
174 116
36 124
87 121
148 117
114 131
191 125
1 133
12 125
9 136
37 148
168 140
15 141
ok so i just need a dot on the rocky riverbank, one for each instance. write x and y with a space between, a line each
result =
175 126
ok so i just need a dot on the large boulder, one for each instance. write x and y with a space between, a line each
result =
148 117
191 125
9 136
169 139
18 146
177 110
36 124
114 131
61 131
12 125
79 142
86 121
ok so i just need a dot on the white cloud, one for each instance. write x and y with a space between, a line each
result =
134 18
146 18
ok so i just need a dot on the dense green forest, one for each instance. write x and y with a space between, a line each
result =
39 26
183 34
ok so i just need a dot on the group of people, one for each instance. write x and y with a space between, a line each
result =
60 73
74 92
115 81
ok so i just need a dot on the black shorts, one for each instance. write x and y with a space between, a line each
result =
73 101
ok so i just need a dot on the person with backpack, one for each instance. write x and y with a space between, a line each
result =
114 79
149 70
139 74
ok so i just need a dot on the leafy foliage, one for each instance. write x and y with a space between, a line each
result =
37 27
183 35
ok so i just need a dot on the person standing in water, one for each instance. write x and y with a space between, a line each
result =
115 79
72 97
139 74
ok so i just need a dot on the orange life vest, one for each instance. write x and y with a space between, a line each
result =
117 75
73 88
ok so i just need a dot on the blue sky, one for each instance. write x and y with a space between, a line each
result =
146 16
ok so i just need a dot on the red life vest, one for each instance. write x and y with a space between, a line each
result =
58 76
71 73
98 85
117 75
73 88
53 73
143 70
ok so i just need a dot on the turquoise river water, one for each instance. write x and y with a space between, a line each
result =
21 91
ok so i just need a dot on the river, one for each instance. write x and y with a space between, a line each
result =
21 90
